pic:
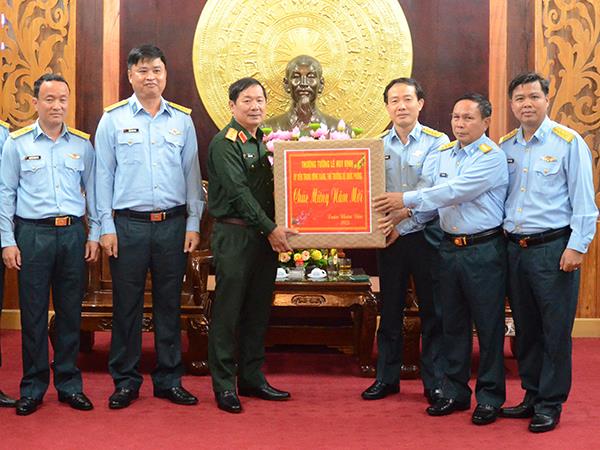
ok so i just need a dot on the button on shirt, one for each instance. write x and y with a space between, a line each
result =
404 165
470 185
147 163
41 178
551 184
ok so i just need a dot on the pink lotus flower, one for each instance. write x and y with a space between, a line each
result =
338 135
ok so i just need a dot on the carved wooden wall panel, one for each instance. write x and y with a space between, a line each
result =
568 53
38 37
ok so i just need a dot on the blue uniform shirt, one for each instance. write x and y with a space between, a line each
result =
551 184
147 163
41 178
3 133
469 187
404 167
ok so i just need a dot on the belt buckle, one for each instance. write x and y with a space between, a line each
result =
62 221
460 241
523 242
158 216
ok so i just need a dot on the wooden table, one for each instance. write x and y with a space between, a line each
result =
337 312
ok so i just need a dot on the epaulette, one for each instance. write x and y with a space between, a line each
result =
432 132
4 124
485 148
561 132
506 137
183 109
382 135
231 134
21 132
116 105
447 146
81 134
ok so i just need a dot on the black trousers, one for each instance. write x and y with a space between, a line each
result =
50 257
158 247
543 300
409 255
473 283
245 268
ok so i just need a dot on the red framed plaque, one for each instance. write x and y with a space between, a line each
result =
324 189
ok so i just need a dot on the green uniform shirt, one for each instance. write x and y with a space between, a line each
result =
240 178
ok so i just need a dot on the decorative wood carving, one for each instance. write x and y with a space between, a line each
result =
39 37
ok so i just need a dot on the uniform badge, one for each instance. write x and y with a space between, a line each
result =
443 175
175 132
131 130
231 134
74 155
243 137
549 158
33 157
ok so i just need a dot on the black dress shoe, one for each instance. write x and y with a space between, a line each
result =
6 401
177 395
27 405
484 414
445 406
379 390
122 398
432 395
266 392
76 401
228 401
542 422
523 410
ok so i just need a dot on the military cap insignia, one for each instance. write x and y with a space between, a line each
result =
485 148
76 132
116 105
506 137
549 158
564 134
447 146
432 132
183 109
21 132
243 137
4 124
231 134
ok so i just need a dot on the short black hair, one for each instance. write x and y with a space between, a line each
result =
241 85
143 53
484 105
526 78
47 77
407 81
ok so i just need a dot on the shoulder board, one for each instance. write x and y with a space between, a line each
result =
485 148
116 105
81 134
506 137
382 135
183 109
561 132
447 146
432 132
4 124
21 132
231 134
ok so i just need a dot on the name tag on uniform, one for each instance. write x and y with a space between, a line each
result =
33 157
248 155
131 130
74 156
548 158
443 175
510 160
175 132
386 157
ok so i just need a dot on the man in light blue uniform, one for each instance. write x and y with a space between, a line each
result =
45 167
148 176
412 249
5 400
470 182
550 222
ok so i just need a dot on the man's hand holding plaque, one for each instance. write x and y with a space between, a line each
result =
389 202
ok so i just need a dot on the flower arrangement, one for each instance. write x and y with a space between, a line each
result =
309 258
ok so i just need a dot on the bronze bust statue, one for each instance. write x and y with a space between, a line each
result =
304 82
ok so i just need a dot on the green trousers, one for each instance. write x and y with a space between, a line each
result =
245 268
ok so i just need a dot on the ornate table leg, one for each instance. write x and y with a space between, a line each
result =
367 335
196 358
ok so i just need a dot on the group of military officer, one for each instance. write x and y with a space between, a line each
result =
523 213
520 215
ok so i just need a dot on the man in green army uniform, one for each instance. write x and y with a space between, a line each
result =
245 242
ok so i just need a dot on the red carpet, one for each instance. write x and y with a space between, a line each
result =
326 411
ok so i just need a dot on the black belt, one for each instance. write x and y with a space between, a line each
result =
232 221
528 240
152 216
58 221
464 240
